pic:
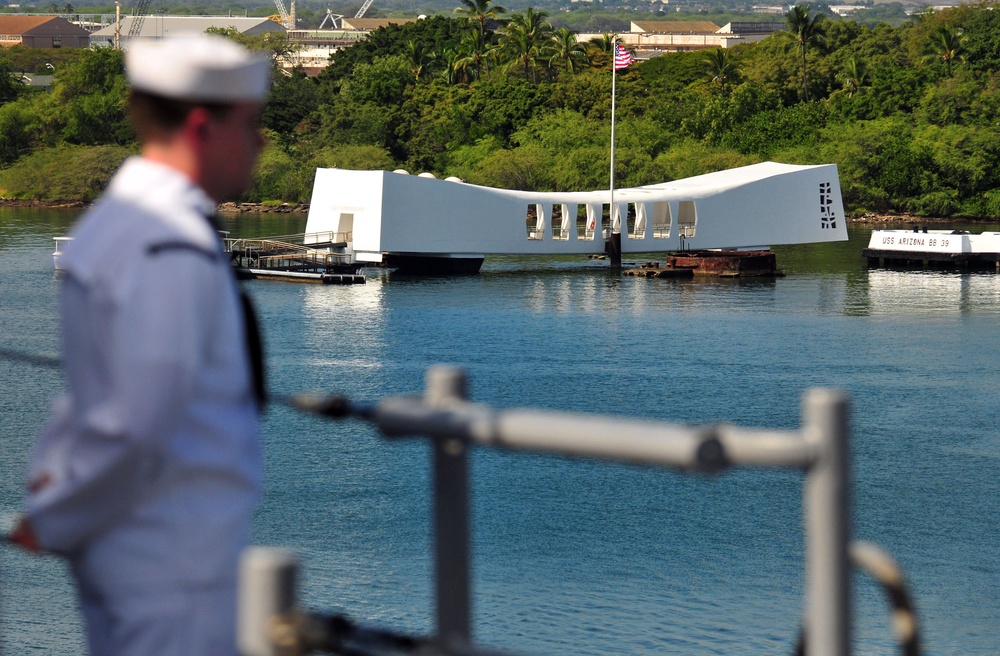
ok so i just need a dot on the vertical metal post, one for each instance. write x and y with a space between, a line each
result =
267 587
826 502
451 516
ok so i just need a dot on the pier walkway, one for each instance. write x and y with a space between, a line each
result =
303 257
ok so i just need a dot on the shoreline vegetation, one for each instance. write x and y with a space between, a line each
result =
224 208
229 208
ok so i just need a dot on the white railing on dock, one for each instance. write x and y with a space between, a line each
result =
819 449
273 252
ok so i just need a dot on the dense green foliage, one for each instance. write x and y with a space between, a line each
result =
910 113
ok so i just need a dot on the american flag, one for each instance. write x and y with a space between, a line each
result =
622 58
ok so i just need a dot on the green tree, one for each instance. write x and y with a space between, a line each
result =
981 31
419 58
721 66
946 45
479 12
526 40
274 45
854 75
20 127
450 68
475 51
807 30
567 53
604 43
87 101
292 100
10 83
498 107
434 33
773 66
381 82
880 166
690 158
527 168
949 101
278 175
360 157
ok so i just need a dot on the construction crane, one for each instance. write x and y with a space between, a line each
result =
333 18
364 8
139 11
287 19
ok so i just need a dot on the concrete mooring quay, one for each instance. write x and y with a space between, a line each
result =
933 249
721 264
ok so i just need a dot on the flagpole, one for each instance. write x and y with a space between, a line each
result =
614 70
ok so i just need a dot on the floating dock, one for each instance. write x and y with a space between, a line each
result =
714 263
296 276
933 249
285 258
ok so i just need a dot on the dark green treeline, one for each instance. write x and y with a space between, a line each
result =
910 114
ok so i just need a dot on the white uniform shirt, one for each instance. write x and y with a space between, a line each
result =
150 469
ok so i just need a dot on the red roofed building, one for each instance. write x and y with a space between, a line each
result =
41 32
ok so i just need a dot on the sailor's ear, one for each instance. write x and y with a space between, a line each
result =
197 125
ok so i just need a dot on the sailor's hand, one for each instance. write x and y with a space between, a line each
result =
24 536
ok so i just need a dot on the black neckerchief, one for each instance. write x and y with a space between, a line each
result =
254 342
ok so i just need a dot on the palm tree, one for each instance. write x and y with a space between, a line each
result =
475 50
807 30
567 52
947 45
418 58
722 66
603 43
525 40
480 11
855 75
450 69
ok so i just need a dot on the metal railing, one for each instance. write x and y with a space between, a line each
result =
280 252
308 239
271 625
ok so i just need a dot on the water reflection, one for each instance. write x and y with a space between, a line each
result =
341 324
19 226
932 293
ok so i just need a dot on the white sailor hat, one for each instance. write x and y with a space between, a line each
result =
203 68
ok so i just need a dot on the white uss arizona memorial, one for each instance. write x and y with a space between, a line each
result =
382 215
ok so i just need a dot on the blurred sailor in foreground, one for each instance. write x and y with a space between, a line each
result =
149 471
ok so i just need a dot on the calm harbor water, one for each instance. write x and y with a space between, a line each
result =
576 557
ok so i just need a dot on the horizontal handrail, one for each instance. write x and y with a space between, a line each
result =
705 448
